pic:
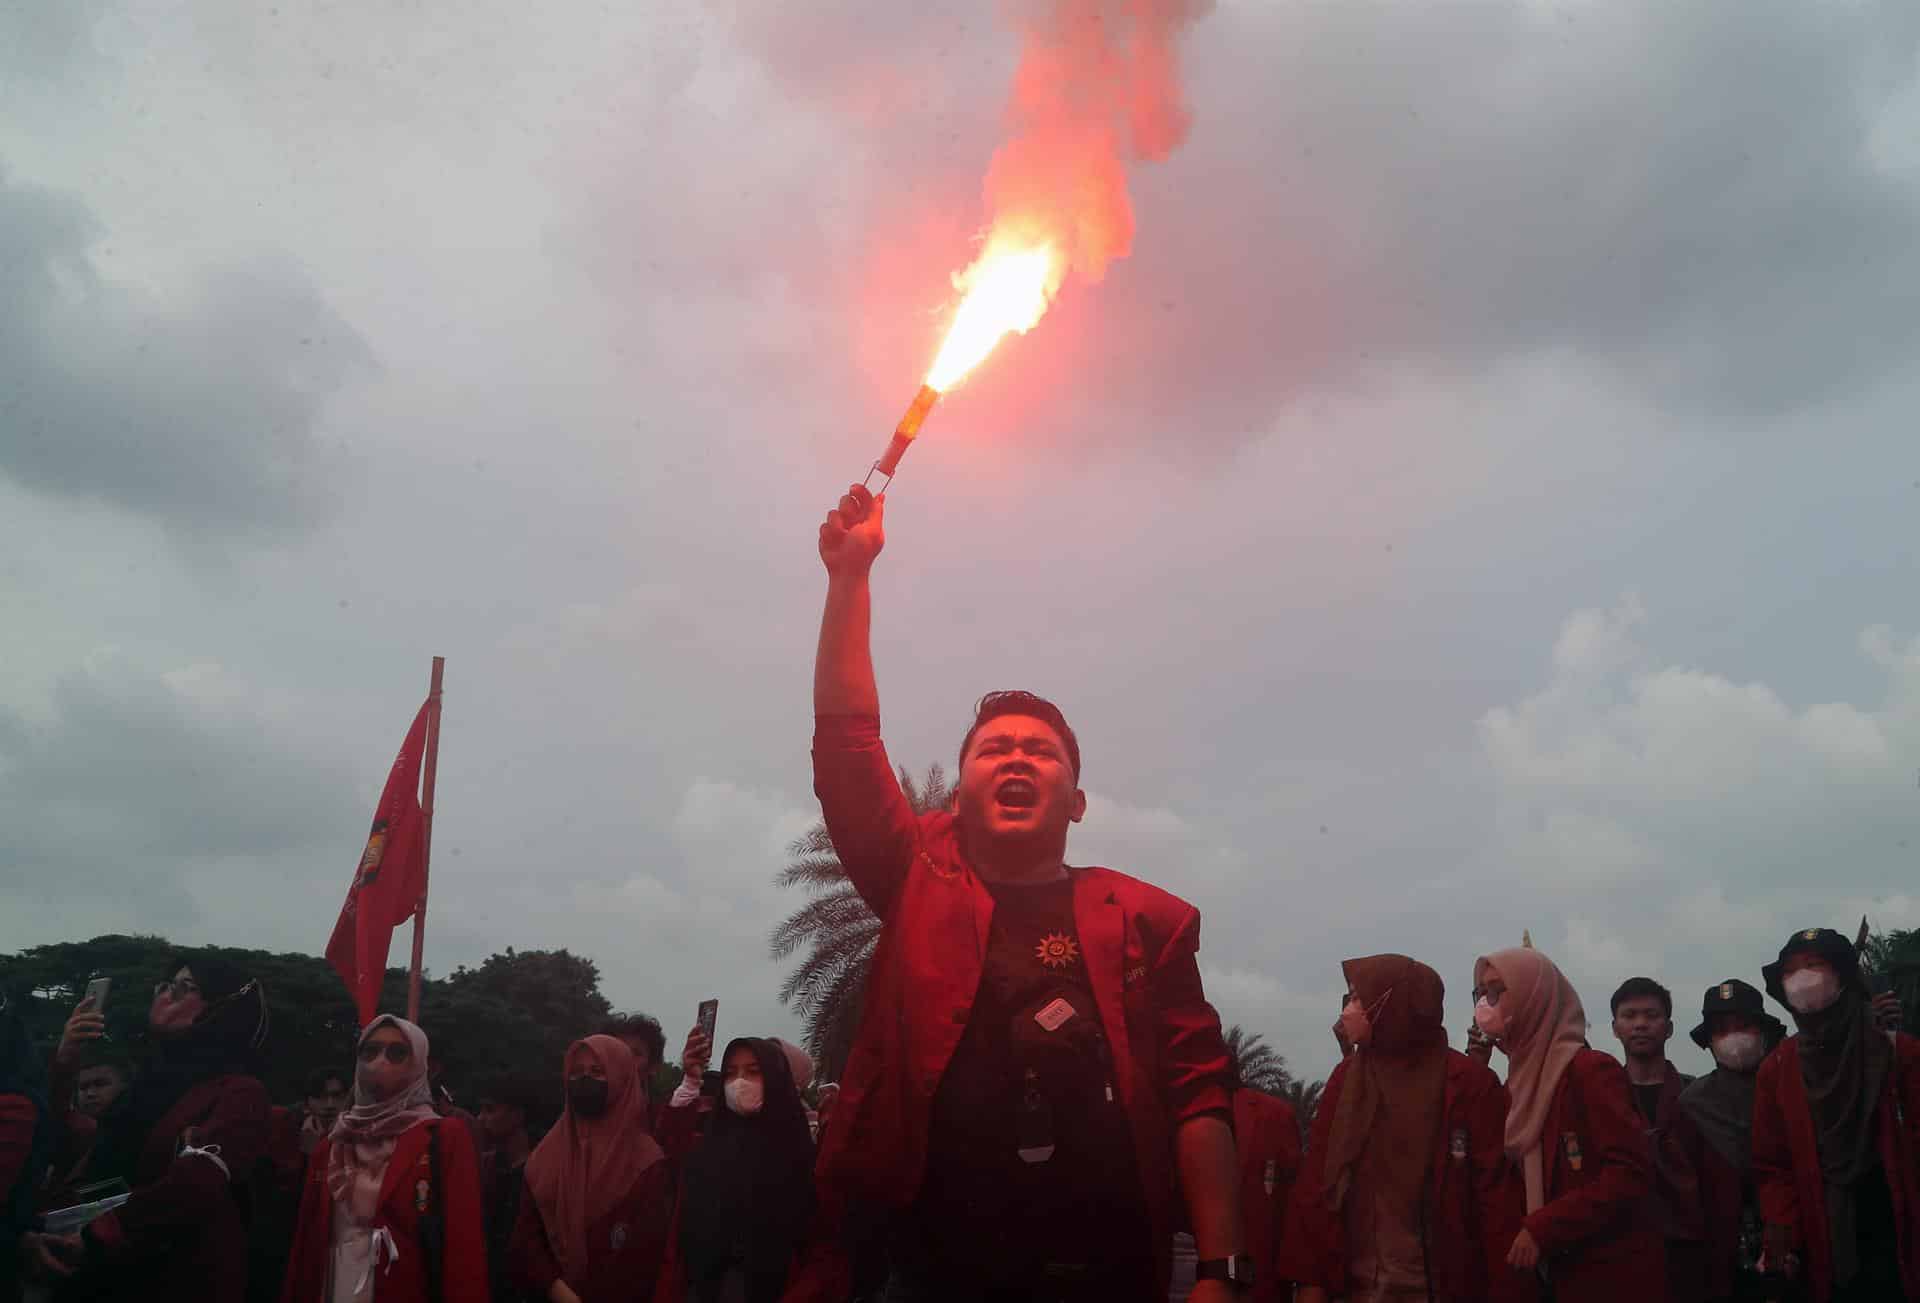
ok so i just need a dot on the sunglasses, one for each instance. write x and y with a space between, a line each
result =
396 1052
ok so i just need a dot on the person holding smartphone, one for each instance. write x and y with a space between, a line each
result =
185 1139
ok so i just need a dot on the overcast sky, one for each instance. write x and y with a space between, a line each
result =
1486 497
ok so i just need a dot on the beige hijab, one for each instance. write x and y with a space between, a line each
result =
365 1135
1546 1027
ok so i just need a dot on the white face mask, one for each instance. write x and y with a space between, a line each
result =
1810 990
745 1096
1739 1051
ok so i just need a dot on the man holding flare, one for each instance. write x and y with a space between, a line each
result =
1038 1077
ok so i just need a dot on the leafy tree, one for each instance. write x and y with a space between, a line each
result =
838 932
1895 956
1305 1098
515 1013
1254 1064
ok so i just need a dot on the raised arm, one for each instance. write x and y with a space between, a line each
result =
850 538
873 829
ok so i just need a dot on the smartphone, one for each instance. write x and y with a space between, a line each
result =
709 1015
97 992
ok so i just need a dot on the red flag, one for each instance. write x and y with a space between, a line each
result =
387 881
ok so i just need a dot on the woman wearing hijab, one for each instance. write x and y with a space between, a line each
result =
1581 1147
391 1210
1405 1193
1833 1141
24 1143
747 1194
594 1219
184 1139
1738 1031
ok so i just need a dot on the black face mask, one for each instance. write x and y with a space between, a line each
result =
587 1096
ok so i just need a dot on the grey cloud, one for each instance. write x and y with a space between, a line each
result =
1687 195
128 779
202 412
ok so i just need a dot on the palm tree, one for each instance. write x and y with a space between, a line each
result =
838 932
1254 1064
1305 1098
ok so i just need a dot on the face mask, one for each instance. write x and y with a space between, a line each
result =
1810 990
744 1096
1739 1051
1357 1027
587 1096
1489 1019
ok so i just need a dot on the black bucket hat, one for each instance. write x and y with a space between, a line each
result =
1735 996
1821 941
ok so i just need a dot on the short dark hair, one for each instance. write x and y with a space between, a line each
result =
1641 988
105 1057
641 1027
317 1081
1016 702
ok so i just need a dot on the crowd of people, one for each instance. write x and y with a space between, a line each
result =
1039 1107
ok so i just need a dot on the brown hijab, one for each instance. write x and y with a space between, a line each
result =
1389 1111
584 1167
1546 1028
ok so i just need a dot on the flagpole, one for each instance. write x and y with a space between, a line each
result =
426 837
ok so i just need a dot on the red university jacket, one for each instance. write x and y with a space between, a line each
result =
404 1195
1474 1198
1597 1230
1786 1159
1139 944
182 1234
1265 1132
628 1244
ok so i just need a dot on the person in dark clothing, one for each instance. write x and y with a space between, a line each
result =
1834 1144
506 1104
1738 1031
747 1195
1643 1024
328 1093
25 1126
186 1139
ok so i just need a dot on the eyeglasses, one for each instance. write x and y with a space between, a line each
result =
1491 997
183 989
397 1051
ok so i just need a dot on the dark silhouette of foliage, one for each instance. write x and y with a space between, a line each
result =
1254 1064
514 1013
838 933
1305 1098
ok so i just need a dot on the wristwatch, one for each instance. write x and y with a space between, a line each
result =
1236 1271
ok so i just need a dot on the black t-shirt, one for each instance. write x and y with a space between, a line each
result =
1031 1173
1647 1100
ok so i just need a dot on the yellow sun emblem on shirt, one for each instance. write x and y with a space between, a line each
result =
1057 950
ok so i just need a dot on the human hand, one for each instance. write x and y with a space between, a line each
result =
1479 1045
84 1026
50 1257
1886 1011
693 1058
853 533
1525 1253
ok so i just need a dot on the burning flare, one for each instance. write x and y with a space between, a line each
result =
1007 289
